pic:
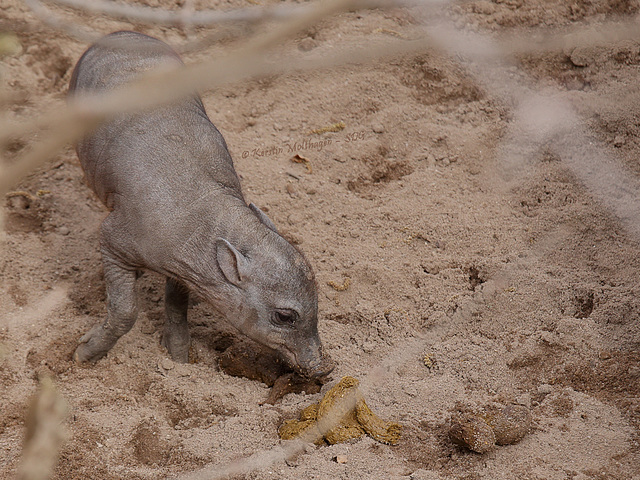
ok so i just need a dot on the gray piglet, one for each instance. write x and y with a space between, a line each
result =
176 208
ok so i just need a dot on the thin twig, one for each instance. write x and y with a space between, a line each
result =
549 121
210 17
45 433
67 130
76 120
213 73
49 18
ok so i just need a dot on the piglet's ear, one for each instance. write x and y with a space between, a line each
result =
263 217
233 264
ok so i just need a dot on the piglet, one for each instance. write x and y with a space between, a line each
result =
176 208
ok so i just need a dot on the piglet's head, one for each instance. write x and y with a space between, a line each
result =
271 296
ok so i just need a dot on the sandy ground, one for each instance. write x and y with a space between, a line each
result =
521 291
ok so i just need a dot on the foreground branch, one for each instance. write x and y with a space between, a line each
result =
185 17
77 119
47 17
45 433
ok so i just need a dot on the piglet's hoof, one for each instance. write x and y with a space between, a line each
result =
93 345
178 348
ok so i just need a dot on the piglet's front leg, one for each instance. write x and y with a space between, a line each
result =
121 312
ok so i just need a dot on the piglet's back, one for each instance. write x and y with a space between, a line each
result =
117 59
165 157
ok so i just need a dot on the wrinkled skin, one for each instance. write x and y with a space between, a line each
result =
176 208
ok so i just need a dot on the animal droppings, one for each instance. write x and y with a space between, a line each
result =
378 429
510 424
472 432
308 429
497 426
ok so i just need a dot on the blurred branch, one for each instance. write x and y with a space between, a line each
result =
262 459
45 433
67 130
74 121
84 35
211 17
77 119
49 18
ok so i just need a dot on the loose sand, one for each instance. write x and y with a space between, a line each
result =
521 289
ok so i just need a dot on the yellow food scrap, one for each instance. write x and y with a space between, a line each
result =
336 127
291 429
300 159
309 413
20 193
340 287
429 361
343 415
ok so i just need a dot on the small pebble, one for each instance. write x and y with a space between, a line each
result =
619 141
291 190
545 389
63 231
294 238
295 218
167 363
340 458
581 56
307 44
524 399
369 347
378 128
575 83
18 202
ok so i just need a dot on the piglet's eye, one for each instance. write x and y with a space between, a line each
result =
285 317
